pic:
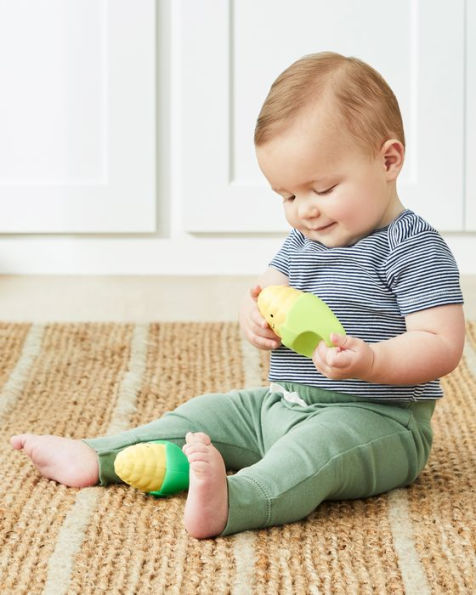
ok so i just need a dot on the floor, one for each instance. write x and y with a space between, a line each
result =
131 299
136 299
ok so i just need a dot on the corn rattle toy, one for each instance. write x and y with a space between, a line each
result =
159 468
299 318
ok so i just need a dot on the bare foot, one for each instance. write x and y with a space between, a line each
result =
71 462
206 509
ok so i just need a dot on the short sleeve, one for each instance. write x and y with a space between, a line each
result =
422 272
282 258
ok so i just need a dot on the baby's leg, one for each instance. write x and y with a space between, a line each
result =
231 421
228 419
75 464
342 452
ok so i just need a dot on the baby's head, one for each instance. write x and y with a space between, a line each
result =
360 100
329 138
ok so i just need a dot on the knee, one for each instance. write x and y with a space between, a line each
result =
194 410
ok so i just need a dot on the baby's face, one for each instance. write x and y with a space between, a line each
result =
333 192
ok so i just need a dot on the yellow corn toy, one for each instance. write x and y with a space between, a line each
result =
159 467
299 318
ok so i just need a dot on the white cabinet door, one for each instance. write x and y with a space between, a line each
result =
471 118
229 54
77 116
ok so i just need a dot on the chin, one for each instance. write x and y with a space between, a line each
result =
336 243
339 242
328 240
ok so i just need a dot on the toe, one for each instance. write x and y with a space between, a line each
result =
197 437
195 455
196 448
18 441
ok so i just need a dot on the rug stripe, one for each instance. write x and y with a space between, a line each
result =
244 544
132 382
442 502
413 573
71 535
470 356
13 388
251 364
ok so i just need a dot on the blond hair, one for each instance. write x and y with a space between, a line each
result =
362 99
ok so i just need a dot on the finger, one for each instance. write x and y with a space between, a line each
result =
331 357
255 291
339 359
317 359
264 343
342 341
269 336
270 343
326 360
323 369
257 317
256 330
326 370
268 333
322 350
258 320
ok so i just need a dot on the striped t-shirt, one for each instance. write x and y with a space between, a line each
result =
371 286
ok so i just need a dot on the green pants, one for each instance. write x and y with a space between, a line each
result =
292 451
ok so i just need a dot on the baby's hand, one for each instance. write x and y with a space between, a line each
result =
254 326
350 358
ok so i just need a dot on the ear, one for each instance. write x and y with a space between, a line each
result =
393 154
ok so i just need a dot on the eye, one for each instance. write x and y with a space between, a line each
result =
289 198
324 192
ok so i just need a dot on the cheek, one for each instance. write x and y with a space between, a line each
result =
341 208
350 205
289 212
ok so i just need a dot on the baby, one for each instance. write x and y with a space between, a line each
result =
354 420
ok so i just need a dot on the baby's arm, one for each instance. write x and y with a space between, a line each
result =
430 348
254 326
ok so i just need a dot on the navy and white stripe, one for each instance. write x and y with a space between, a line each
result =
371 286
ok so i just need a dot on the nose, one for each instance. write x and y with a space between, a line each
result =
307 208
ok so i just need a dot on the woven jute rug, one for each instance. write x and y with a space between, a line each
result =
92 379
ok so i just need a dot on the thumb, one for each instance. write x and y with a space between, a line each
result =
255 291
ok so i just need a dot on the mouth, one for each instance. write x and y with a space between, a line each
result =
324 227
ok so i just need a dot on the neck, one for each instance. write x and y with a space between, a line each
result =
394 208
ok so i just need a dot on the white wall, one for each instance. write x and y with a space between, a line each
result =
169 250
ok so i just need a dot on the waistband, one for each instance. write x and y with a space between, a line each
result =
310 395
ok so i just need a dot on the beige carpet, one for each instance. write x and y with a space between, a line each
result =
91 379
